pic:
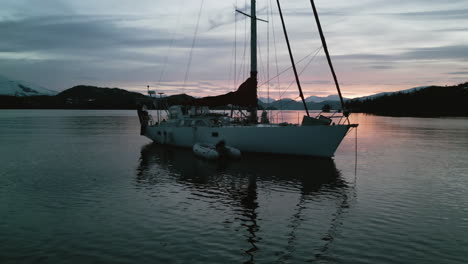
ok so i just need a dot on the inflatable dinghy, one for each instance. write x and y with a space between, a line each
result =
213 152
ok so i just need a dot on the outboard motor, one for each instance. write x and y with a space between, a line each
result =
221 148
144 117
264 119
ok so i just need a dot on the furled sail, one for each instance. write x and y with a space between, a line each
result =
246 95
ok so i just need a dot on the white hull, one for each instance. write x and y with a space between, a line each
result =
319 141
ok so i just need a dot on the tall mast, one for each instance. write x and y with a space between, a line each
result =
253 52
292 59
253 40
325 48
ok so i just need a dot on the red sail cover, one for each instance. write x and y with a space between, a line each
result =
246 95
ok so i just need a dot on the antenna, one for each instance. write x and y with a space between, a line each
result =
159 106
150 92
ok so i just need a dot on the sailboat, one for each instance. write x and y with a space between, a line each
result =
193 122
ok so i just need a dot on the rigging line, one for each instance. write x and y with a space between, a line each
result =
233 58
355 156
288 68
235 48
274 44
193 44
229 79
303 69
282 105
290 84
292 58
242 66
246 36
171 44
268 53
276 51
262 66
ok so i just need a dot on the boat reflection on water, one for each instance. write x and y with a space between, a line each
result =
239 183
312 173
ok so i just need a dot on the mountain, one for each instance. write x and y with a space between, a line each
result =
286 103
289 104
91 97
419 101
78 97
20 88
266 100
310 99
96 97
411 90
319 99
432 101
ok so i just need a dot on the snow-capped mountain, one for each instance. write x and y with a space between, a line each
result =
20 88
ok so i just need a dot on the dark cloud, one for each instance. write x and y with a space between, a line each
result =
451 30
317 82
436 14
459 73
382 67
87 33
459 52
364 56
452 53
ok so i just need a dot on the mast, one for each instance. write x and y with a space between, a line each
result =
292 59
325 48
253 40
253 52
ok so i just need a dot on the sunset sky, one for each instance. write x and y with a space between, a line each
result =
376 45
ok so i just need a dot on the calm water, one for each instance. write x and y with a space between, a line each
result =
84 187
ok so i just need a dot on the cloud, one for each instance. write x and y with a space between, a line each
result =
118 43
98 48
458 73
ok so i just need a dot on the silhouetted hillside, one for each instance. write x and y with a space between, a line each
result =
430 101
78 97
289 104
177 99
29 102
91 97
